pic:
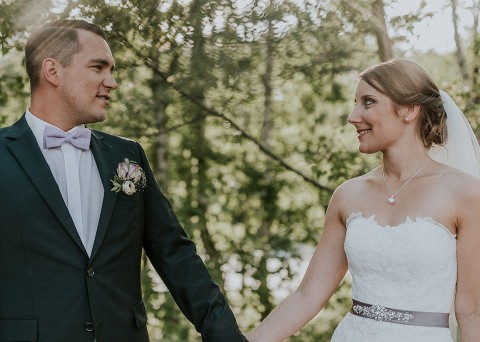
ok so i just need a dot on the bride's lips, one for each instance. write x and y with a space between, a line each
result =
363 131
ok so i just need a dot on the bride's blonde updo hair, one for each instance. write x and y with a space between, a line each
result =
406 83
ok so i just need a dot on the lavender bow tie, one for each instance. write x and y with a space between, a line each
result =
54 137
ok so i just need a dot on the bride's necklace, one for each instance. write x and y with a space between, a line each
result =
391 199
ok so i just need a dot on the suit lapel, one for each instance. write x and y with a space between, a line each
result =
107 163
25 149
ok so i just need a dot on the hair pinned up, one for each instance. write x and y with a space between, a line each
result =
406 83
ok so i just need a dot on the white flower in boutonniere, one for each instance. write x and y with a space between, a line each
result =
129 178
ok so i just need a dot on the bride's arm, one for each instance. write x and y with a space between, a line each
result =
467 299
325 271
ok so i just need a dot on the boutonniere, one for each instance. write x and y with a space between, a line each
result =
129 178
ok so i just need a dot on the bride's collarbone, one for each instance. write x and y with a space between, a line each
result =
403 209
416 200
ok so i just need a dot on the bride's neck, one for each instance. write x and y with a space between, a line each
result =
403 165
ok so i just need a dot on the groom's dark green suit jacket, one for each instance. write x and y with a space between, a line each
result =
52 291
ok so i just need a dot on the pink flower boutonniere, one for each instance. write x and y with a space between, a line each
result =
129 178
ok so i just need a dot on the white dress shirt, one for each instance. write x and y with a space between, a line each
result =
91 187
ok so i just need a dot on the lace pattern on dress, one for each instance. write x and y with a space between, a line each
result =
408 220
409 267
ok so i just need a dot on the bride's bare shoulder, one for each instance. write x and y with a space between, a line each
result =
462 193
354 185
459 183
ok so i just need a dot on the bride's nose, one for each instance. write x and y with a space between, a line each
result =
355 116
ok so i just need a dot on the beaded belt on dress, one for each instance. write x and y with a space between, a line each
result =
383 314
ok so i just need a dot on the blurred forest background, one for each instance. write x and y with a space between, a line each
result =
242 106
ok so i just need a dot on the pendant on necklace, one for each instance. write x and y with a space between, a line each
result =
391 200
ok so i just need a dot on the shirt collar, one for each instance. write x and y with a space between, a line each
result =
37 126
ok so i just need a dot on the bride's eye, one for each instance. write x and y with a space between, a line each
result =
368 101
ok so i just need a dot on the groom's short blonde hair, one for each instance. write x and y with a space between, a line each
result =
58 40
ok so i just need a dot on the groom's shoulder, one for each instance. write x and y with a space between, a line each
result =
118 143
114 139
4 130
6 127
16 129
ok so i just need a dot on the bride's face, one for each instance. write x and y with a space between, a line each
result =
377 124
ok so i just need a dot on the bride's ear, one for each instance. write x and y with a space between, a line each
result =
410 113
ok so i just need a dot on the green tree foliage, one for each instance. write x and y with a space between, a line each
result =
242 107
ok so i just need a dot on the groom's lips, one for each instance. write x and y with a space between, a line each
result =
104 97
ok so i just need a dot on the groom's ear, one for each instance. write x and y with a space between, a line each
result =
50 71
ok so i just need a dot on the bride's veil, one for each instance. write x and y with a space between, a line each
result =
462 150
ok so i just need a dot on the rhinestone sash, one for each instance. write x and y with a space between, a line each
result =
383 314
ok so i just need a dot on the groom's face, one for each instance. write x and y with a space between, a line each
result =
87 81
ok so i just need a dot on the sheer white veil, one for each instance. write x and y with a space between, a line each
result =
462 150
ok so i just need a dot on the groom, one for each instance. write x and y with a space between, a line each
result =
70 248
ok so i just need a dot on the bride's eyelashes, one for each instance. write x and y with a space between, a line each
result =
367 102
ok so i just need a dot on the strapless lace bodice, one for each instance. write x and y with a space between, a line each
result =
410 266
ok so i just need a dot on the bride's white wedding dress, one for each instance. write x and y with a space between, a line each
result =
410 266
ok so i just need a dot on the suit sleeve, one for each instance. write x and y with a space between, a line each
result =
174 257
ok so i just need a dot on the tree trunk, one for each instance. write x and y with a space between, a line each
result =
199 147
160 103
266 195
458 52
267 80
476 51
379 27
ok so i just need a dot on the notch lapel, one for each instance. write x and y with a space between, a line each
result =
107 163
26 151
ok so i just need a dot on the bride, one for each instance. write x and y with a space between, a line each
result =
408 230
